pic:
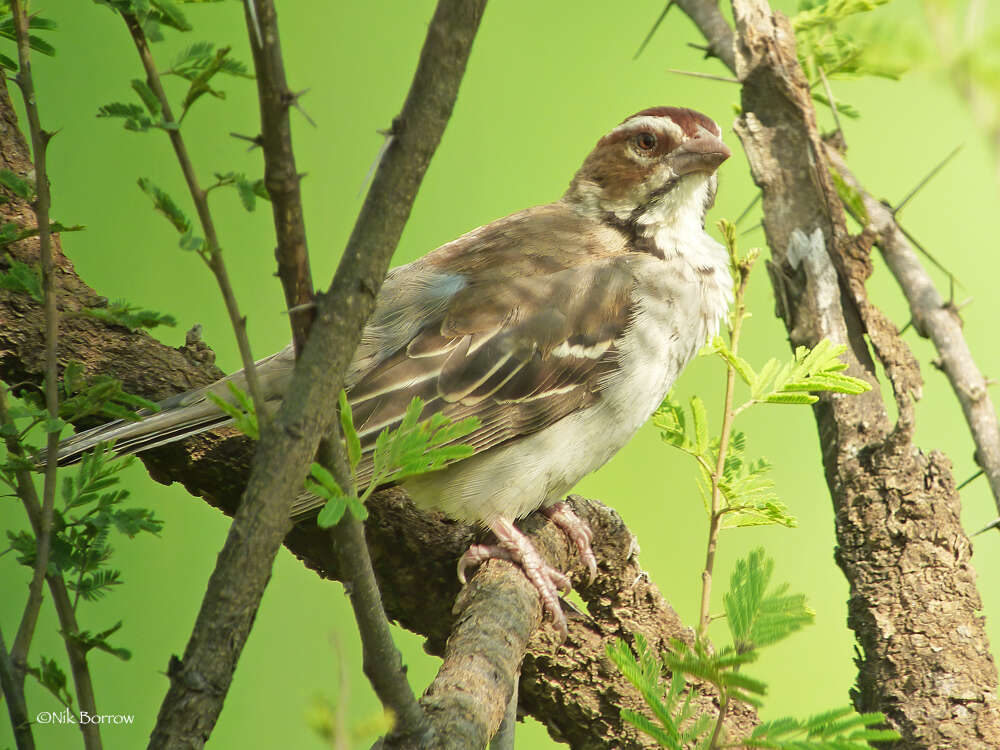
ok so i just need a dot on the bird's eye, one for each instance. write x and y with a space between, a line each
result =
646 141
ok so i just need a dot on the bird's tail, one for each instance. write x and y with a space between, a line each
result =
177 417
169 424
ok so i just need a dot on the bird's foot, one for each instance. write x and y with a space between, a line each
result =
515 547
562 515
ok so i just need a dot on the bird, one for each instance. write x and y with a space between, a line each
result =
560 327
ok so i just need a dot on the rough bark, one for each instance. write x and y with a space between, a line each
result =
914 606
572 687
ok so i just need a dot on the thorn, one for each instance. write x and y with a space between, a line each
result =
256 141
928 178
652 31
293 100
701 48
832 102
300 308
970 479
913 240
389 138
908 325
746 210
709 76
995 524
758 225
990 382
960 305
937 364
252 12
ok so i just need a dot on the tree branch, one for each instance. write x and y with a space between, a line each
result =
913 602
382 661
12 682
712 25
939 321
213 252
280 174
40 205
289 441
571 688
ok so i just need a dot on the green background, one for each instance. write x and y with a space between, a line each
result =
545 81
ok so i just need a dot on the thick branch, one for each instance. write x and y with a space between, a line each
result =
280 174
288 442
939 321
571 688
914 605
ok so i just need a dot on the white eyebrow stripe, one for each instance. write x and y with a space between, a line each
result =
648 122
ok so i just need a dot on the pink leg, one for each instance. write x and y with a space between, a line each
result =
518 549
577 530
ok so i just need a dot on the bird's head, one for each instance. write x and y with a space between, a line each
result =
658 165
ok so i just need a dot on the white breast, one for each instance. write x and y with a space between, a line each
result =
679 304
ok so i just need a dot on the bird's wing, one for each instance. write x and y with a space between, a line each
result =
517 353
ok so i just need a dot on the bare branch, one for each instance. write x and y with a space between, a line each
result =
280 174
710 22
938 321
213 254
897 509
289 441
381 660
12 682
42 201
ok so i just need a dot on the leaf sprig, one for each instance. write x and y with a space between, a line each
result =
415 447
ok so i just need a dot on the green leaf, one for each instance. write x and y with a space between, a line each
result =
417 447
52 678
121 313
350 434
240 409
150 99
832 12
22 279
18 185
163 203
736 362
757 619
99 641
331 513
839 729
700 419
134 116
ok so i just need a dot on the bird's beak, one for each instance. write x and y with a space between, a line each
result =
701 154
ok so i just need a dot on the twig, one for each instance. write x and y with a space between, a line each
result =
12 682
213 255
713 26
754 202
60 598
830 99
652 31
942 324
717 511
39 142
280 174
289 441
381 660
696 74
927 178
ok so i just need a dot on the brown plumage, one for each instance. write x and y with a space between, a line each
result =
560 328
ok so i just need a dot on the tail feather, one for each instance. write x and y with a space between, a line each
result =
152 431
179 416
